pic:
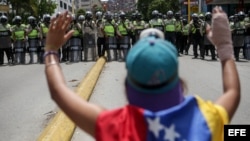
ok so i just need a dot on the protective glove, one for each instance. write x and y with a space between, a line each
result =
220 35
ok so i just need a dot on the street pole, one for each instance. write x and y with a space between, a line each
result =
199 6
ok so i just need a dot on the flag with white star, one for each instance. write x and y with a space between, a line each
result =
192 120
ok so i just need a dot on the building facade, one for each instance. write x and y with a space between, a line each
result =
87 5
231 7
64 5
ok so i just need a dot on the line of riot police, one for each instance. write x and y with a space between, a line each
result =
113 34
22 39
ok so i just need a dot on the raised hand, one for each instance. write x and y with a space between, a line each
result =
220 35
58 32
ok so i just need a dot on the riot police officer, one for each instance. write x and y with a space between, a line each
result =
139 25
185 37
74 43
5 39
33 33
197 38
100 34
247 37
169 24
110 32
156 22
132 34
89 30
44 28
124 28
208 46
178 32
80 20
238 34
19 37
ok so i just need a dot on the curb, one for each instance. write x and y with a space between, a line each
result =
61 128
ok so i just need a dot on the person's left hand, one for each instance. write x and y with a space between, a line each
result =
57 34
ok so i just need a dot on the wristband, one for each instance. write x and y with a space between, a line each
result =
50 53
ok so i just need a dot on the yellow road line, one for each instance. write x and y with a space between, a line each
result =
61 128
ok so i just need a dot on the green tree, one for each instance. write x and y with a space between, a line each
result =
142 6
162 6
147 6
46 7
80 12
33 7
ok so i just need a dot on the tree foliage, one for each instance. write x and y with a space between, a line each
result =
147 6
80 12
35 8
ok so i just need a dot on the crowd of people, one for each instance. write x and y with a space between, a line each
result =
114 34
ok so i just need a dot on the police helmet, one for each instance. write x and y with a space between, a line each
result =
231 18
138 16
46 18
195 16
98 15
31 20
164 16
108 15
133 17
18 20
88 15
122 15
201 16
81 18
184 21
177 15
155 14
241 15
208 16
170 14
3 19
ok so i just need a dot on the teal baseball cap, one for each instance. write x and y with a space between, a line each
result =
152 65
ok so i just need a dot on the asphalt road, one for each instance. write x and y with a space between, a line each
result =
203 78
25 103
26 106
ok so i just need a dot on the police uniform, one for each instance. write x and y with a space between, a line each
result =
19 36
138 26
5 46
89 30
101 48
75 43
110 33
123 29
169 24
178 34
238 37
44 31
207 44
33 32
197 37
185 35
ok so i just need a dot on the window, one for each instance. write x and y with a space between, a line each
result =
65 6
69 8
61 4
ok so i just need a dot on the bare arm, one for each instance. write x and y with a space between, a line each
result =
80 111
231 87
